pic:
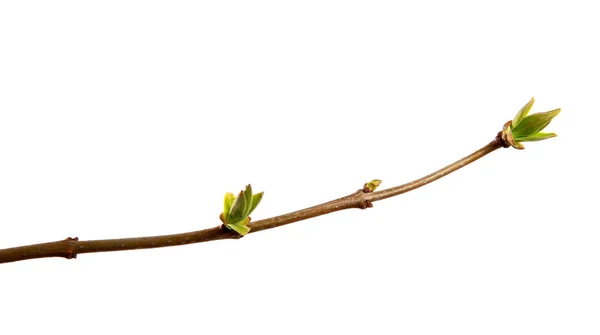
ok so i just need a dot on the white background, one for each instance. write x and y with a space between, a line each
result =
123 118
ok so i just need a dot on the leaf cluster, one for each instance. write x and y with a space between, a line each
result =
236 210
528 128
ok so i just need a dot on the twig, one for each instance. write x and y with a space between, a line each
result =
71 247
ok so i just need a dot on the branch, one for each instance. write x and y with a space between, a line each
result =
522 128
71 247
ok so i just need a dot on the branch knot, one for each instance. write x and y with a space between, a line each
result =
70 253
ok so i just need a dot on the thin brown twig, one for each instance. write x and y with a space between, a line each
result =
71 247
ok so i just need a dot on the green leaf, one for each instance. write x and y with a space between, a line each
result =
255 201
238 228
536 137
522 113
248 195
534 123
227 202
238 208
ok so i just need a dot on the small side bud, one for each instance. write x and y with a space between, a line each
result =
371 186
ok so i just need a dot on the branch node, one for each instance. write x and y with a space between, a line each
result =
70 253
500 138
363 203
233 233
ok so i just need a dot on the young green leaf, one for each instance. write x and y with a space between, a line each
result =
248 195
255 201
522 113
534 123
227 202
238 208
536 137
